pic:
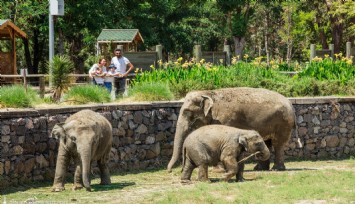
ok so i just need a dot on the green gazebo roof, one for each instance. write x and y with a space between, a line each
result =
120 35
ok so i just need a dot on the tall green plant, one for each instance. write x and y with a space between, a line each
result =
61 67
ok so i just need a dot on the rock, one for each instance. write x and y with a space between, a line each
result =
299 119
21 139
343 130
332 141
142 129
29 164
2 168
29 124
138 117
160 136
7 167
323 143
150 140
316 121
316 130
173 117
310 146
302 131
351 142
5 139
17 150
154 151
5 130
42 161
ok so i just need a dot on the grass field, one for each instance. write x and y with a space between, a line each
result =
315 182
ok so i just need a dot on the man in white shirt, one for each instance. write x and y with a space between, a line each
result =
121 63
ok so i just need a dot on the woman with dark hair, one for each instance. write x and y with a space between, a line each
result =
98 72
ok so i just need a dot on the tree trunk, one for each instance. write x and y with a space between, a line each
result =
267 38
239 43
76 55
28 57
289 38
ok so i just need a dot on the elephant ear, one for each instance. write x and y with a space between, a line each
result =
58 131
206 104
242 141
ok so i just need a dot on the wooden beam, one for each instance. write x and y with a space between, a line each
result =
14 52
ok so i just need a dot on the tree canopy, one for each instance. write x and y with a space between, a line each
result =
280 29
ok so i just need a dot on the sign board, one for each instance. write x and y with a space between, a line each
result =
56 7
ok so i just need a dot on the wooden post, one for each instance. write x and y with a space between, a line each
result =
197 53
348 50
331 48
313 51
42 86
227 49
159 50
23 73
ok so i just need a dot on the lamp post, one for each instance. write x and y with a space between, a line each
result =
56 8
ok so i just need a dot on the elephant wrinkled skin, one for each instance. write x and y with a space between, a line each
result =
211 144
269 113
86 136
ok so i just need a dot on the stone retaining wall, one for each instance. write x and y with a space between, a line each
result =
144 133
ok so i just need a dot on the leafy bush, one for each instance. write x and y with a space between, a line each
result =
16 97
188 76
86 94
327 69
61 67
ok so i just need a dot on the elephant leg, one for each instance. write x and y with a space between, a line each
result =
231 168
104 172
264 165
203 172
60 170
279 145
187 170
240 171
78 184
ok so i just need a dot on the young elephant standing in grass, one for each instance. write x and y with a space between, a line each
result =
85 136
211 144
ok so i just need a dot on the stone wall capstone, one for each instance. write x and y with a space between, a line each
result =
143 135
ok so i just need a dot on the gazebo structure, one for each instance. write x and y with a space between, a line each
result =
8 32
109 39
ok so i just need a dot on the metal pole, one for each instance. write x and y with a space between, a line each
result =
51 43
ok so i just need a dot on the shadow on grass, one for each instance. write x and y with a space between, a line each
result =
112 186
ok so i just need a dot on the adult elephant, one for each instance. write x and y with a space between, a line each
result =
86 136
265 111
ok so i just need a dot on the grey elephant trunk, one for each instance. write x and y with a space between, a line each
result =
180 135
264 154
86 168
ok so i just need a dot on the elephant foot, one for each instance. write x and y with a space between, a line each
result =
185 181
88 189
58 188
262 166
218 169
279 167
105 182
77 186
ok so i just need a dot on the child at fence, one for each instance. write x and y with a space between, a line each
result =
98 72
109 79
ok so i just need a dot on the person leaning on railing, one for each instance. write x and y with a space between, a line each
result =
98 72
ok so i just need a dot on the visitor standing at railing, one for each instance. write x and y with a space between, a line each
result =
121 63
98 72
110 77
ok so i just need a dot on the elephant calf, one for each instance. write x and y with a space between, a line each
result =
86 136
211 144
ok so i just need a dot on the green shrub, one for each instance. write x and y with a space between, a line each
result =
150 91
61 67
327 69
86 94
16 97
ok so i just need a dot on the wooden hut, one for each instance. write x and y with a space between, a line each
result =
8 33
109 39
